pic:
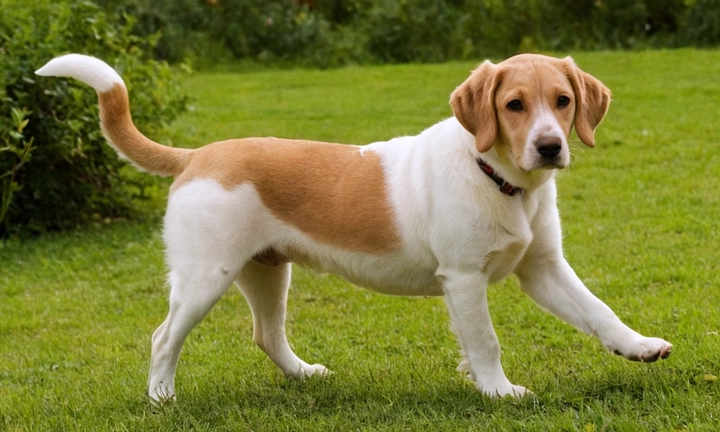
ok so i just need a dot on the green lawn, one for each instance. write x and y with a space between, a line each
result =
640 215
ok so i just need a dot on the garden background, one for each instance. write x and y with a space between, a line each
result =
81 263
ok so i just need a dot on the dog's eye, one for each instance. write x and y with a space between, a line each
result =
563 101
515 105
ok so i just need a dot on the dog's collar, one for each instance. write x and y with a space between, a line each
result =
504 186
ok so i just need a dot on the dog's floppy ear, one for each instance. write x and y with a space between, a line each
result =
473 103
592 102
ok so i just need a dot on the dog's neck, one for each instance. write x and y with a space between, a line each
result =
504 186
501 162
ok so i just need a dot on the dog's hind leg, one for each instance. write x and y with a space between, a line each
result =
193 292
266 288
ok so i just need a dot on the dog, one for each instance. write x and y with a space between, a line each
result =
462 205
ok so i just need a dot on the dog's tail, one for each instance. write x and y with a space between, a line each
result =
115 120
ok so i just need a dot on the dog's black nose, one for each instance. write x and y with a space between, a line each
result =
549 147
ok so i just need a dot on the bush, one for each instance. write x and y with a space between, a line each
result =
203 32
336 32
273 31
703 23
412 30
55 169
184 25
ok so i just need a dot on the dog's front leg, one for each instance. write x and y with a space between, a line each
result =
466 299
552 283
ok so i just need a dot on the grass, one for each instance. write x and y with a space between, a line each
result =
640 215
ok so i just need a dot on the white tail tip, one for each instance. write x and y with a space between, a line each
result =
90 70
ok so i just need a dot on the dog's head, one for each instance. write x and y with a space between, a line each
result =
527 106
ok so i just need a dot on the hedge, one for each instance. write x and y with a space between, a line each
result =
327 33
56 171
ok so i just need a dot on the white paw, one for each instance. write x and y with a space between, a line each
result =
161 394
495 386
646 350
508 389
306 370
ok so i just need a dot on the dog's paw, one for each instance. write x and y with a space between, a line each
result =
497 392
161 395
464 368
646 350
317 370
493 386
306 371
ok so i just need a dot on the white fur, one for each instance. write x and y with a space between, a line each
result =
89 70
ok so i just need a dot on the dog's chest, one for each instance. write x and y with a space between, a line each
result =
499 264
513 236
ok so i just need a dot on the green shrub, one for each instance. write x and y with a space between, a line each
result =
55 169
412 30
202 32
703 23
184 25
337 32
272 30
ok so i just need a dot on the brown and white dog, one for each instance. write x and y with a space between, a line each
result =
444 213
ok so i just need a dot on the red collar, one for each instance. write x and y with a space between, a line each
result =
505 187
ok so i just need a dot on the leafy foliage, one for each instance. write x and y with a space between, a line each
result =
412 30
335 32
703 23
208 31
55 170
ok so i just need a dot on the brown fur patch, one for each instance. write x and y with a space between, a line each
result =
119 129
331 192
